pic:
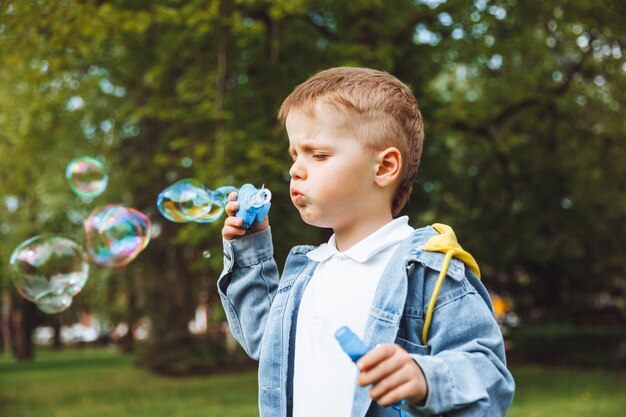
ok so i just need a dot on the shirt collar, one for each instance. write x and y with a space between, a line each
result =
393 232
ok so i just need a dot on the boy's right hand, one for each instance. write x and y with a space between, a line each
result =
233 225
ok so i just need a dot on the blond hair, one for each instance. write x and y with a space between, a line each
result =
380 110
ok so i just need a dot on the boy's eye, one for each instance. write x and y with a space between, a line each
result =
319 156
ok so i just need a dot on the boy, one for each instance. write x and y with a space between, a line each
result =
356 137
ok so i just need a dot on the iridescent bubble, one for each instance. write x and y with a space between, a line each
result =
54 303
189 201
49 270
116 235
219 198
221 194
86 176
184 201
215 210
226 189
201 209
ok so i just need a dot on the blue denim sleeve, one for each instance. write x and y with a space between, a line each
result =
466 371
247 287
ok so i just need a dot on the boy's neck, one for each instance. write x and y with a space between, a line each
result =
346 237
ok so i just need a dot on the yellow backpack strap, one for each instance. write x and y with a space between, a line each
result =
445 242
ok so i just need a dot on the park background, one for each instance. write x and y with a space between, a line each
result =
525 156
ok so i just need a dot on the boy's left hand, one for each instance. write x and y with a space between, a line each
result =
394 375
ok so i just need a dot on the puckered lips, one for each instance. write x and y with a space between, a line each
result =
296 196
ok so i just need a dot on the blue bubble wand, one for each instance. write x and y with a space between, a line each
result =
355 349
254 204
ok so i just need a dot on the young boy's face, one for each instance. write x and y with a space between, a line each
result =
332 176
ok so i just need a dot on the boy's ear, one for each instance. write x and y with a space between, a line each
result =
388 167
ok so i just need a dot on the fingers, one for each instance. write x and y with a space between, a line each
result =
401 391
233 228
378 363
261 226
393 374
398 385
232 205
232 225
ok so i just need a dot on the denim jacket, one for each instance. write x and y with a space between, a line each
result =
464 362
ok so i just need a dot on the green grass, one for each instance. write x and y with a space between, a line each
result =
103 383
568 392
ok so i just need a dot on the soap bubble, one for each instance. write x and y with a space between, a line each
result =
49 270
116 235
189 201
184 201
221 194
215 210
226 189
54 303
86 176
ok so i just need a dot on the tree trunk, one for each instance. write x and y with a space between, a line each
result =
4 321
127 344
57 323
22 324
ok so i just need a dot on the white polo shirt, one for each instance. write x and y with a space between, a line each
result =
340 293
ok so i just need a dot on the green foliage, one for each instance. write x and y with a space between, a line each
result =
569 346
195 357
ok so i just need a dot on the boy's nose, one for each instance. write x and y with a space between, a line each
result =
297 172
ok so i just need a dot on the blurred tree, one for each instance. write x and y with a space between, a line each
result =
50 113
527 144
